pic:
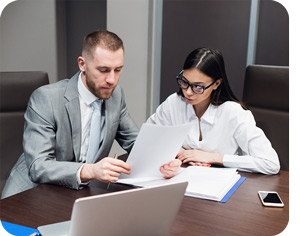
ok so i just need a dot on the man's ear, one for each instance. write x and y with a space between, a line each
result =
81 63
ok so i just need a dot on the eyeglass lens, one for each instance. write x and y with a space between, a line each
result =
185 85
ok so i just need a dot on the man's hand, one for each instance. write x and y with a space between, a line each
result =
171 169
106 170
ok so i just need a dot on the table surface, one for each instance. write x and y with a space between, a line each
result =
242 214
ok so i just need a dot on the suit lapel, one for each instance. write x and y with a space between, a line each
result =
73 110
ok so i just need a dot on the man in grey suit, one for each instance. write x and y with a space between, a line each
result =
58 118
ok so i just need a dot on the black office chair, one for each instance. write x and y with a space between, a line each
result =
15 90
266 93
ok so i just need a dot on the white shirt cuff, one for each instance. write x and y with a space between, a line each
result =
78 178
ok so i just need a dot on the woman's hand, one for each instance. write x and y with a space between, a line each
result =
171 169
199 156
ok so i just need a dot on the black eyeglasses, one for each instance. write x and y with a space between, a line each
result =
184 84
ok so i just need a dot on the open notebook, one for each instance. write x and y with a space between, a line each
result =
203 182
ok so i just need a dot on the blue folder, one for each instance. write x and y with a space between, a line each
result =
233 189
18 230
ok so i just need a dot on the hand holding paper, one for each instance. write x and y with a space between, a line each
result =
157 145
171 169
154 147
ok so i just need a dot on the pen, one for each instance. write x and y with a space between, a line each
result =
115 157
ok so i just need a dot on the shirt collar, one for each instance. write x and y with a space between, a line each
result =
84 93
208 116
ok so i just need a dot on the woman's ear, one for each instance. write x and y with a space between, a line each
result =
218 82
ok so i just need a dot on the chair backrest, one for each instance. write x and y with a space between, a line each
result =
266 94
15 90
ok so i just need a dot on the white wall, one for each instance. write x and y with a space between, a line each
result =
28 37
129 20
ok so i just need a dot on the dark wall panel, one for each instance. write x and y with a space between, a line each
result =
219 24
273 34
82 17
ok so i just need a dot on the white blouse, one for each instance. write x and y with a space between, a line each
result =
226 129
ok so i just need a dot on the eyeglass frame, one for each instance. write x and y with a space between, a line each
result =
191 85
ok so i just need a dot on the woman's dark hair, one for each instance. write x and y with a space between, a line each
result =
210 62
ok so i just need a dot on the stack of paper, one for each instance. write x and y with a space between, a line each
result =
204 182
210 183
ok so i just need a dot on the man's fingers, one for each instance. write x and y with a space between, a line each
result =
120 163
110 176
119 169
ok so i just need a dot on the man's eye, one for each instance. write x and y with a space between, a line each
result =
104 70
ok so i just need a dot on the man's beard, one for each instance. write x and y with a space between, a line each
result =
97 92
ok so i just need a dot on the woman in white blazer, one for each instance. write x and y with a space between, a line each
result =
224 131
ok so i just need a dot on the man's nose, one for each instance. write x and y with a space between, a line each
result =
111 77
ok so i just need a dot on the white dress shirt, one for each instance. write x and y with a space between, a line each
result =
86 98
226 129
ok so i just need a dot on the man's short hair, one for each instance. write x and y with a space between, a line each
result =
102 38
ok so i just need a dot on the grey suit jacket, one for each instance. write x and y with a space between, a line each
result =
52 136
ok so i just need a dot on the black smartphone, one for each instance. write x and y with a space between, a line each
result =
270 198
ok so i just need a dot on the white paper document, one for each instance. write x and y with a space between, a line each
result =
209 182
155 146
203 182
158 145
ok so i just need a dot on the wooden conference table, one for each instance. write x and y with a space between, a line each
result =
242 214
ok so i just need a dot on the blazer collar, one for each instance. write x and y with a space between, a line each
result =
72 88
73 110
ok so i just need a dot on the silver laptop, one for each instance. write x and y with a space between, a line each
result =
142 211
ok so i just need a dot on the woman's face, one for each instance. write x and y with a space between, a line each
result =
196 77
